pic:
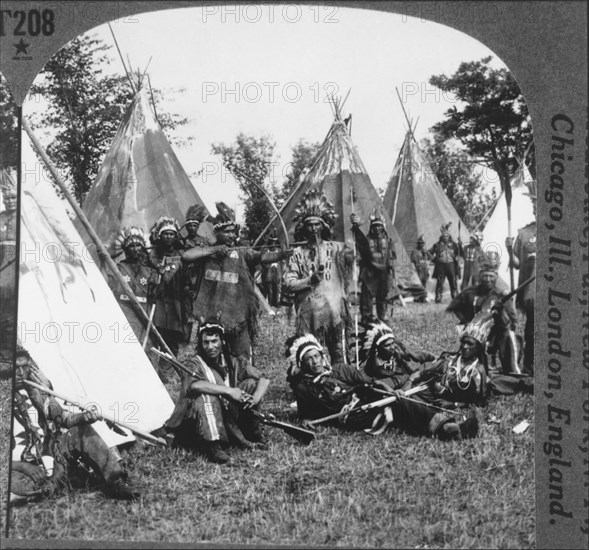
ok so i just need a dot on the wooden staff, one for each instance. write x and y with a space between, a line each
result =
101 416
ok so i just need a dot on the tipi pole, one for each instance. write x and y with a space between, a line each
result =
122 60
355 288
101 248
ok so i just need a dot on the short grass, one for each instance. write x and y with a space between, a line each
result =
345 489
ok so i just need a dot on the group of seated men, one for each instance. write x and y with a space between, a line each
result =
219 399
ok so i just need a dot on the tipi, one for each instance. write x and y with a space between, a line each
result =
339 172
140 178
69 320
415 201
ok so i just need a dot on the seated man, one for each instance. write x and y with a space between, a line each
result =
49 440
215 403
385 358
322 390
487 298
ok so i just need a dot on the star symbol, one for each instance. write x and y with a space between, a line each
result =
127 278
143 281
21 47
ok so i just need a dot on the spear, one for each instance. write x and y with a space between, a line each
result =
101 415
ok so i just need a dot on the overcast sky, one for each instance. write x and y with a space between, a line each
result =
267 70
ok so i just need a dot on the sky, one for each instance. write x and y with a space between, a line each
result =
267 70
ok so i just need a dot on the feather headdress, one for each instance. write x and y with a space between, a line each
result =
314 205
377 216
225 216
373 337
196 213
127 237
298 348
164 223
479 327
492 261
445 228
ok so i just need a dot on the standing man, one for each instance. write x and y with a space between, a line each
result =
317 274
419 258
137 272
166 256
445 256
227 289
195 215
522 256
272 276
216 401
486 298
377 270
474 256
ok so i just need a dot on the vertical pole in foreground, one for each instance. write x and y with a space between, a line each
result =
355 287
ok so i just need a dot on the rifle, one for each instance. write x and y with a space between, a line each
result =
101 416
368 406
300 434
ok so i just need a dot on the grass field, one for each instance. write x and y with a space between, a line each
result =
345 489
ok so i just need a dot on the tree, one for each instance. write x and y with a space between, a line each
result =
493 122
249 160
85 108
8 127
303 154
457 176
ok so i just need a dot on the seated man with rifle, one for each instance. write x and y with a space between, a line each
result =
219 398
487 298
324 393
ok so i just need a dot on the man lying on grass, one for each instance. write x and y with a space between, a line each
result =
215 404
322 390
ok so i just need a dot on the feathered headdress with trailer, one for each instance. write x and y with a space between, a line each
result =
197 213
164 223
225 216
314 205
126 237
296 348
479 328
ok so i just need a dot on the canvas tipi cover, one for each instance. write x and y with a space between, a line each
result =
522 213
140 178
339 172
415 200
69 320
